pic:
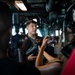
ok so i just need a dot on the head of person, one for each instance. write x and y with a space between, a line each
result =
5 25
70 33
31 27
69 28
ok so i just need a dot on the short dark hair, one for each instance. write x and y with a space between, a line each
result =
5 17
70 26
30 21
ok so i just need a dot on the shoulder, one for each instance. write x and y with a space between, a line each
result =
11 67
16 68
27 39
31 70
14 64
28 69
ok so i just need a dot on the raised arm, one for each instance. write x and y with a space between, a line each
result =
44 69
39 60
48 57
49 68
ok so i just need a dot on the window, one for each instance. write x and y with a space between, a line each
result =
20 31
13 31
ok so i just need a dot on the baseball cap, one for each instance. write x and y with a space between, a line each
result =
30 21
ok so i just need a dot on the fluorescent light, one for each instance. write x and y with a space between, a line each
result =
21 5
34 19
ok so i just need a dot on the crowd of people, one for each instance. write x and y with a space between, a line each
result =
35 56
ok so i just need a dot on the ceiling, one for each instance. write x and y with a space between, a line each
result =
36 6
33 6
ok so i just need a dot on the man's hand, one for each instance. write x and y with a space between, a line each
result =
31 57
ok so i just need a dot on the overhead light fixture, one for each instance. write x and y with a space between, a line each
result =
34 19
21 5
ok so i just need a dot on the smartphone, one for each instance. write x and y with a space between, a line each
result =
67 50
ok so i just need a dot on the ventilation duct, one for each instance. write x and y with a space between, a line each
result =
37 5
35 1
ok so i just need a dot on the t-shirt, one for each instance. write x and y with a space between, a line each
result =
11 67
69 68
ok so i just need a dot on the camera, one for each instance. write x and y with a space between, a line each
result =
67 50
53 40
